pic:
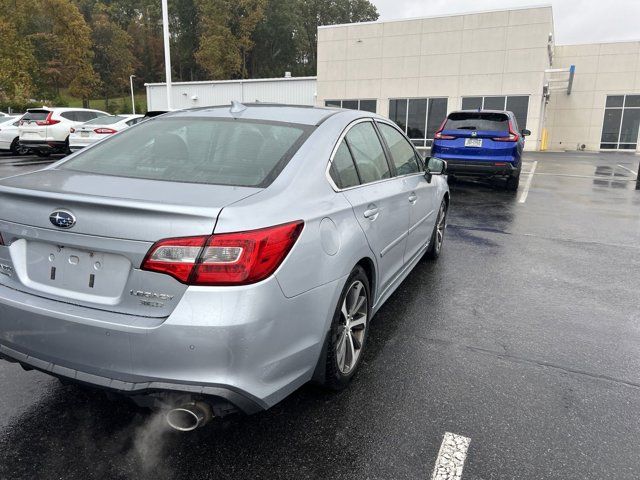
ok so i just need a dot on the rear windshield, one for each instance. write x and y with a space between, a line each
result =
498 122
36 115
106 120
196 150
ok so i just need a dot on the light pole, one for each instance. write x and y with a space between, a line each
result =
133 98
167 53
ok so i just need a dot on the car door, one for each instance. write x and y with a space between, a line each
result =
379 202
420 195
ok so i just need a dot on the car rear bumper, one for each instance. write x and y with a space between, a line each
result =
250 346
481 169
43 144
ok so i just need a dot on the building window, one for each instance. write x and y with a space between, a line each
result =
621 122
518 104
419 118
364 105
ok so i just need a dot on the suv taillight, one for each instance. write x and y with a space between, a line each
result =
47 121
439 136
224 259
513 136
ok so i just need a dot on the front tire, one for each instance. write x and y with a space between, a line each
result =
437 237
349 331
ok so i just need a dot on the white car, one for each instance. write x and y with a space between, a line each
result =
46 130
99 128
9 135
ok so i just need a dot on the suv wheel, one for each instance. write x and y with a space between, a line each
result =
513 183
349 330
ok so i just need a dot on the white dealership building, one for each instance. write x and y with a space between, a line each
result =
415 71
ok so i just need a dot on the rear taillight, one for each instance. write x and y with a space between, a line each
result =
47 121
513 136
105 130
439 136
72 130
224 259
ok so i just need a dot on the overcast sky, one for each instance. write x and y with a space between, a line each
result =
576 21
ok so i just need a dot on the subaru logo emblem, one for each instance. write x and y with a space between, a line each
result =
62 219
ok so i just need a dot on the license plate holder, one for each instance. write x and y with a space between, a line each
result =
473 142
84 134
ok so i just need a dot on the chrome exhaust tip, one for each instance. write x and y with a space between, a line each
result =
188 417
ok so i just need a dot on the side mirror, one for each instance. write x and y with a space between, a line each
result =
435 166
525 132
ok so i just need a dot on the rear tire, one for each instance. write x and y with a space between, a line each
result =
513 183
437 237
349 331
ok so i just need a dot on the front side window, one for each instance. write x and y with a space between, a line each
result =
368 153
196 150
402 153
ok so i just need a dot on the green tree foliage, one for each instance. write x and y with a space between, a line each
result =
92 46
113 60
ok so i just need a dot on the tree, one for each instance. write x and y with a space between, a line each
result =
16 64
113 60
226 28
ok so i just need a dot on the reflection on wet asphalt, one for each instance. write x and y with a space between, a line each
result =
523 337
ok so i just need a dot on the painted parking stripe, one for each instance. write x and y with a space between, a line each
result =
451 457
628 169
527 185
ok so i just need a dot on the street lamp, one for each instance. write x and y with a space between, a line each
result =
133 98
167 53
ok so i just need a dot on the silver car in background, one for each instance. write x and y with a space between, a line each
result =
217 259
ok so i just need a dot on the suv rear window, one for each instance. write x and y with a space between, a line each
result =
36 115
196 150
491 121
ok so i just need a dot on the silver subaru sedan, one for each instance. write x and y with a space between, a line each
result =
214 260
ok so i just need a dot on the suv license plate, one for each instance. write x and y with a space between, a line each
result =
84 134
473 142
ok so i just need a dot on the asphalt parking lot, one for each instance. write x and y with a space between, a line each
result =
523 338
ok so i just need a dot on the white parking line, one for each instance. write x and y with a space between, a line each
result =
527 186
451 457
628 169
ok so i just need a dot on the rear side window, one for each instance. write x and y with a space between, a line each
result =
36 115
343 170
497 122
402 153
70 116
196 150
368 153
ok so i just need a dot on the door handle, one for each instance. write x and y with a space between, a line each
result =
371 213
412 198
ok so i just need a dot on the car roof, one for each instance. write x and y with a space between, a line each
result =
62 109
300 114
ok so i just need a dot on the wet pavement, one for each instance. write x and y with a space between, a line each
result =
524 338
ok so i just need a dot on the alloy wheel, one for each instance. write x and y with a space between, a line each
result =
442 218
352 329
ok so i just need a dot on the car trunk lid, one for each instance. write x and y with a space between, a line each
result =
95 262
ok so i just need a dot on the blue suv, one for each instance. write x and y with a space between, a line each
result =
481 143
